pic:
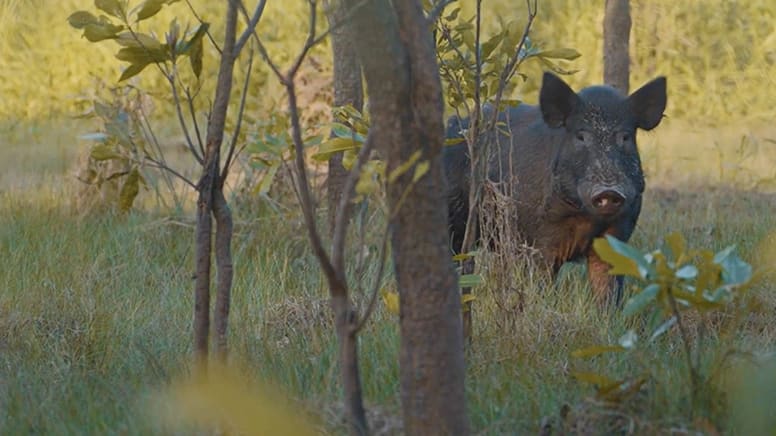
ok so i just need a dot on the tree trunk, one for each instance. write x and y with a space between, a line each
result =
223 246
347 90
397 53
617 26
211 201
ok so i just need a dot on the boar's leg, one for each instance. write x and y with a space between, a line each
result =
606 288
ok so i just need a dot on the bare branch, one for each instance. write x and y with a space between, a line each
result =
376 286
251 25
176 98
260 46
193 114
240 112
337 286
309 42
162 166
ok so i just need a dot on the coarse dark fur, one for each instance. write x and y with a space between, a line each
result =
571 166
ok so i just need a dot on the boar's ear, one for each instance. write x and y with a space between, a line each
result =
556 100
648 103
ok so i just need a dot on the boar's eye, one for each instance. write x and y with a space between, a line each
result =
582 137
624 138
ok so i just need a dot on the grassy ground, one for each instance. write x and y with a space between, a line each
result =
95 314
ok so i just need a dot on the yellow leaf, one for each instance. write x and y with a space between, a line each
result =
467 298
596 350
621 265
391 301
334 145
593 378
420 170
404 167
677 245
227 399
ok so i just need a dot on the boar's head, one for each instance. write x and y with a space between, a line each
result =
597 167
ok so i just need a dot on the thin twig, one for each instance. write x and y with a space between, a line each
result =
181 120
238 125
260 46
210 37
155 163
376 286
251 26
193 114
335 282
309 42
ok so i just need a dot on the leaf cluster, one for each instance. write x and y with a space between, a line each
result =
140 49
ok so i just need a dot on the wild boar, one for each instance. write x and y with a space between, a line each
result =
572 168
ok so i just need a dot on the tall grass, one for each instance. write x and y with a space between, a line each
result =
95 320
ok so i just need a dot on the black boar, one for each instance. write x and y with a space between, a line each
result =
571 167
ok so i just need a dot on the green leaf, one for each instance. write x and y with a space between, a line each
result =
111 7
469 280
568 54
102 30
454 141
687 272
262 188
103 152
638 302
132 70
129 190
195 57
334 145
623 258
628 340
128 39
196 39
143 55
596 350
453 14
149 9
662 328
735 271
81 19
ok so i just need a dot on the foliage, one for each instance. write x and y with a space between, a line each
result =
456 40
120 146
221 399
678 284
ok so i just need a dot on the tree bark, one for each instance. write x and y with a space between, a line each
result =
396 50
617 26
348 89
223 246
211 196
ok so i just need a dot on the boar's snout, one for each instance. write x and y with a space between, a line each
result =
607 200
